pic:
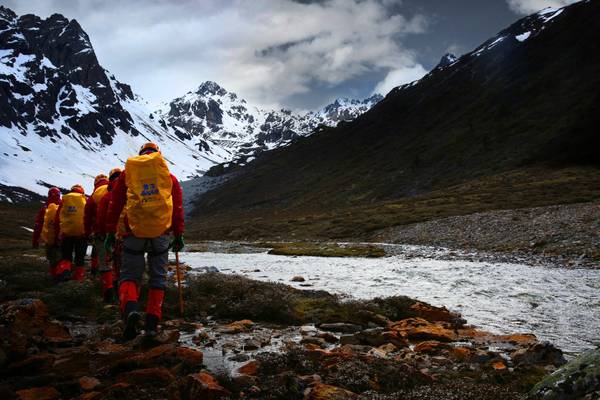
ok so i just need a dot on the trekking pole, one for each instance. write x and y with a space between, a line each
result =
179 283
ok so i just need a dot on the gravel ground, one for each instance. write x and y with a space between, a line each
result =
564 235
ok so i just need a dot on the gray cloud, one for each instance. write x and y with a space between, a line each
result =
266 50
530 6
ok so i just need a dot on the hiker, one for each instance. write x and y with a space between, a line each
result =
108 263
91 222
152 198
70 232
44 229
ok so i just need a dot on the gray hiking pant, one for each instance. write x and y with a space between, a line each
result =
103 266
133 262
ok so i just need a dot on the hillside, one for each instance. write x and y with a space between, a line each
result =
486 131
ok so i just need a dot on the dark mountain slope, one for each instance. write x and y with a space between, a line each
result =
528 97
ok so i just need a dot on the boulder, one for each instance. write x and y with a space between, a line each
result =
371 337
520 339
88 383
396 338
321 391
433 314
202 386
341 327
462 353
431 347
578 379
149 376
328 337
41 393
190 357
419 329
244 325
538 353
349 339
26 321
298 279
250 368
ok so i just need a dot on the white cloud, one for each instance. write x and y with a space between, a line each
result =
266 50
531 6
399 77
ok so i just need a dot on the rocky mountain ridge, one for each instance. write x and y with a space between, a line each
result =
64 118
214 113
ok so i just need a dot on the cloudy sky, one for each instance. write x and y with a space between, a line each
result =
298 54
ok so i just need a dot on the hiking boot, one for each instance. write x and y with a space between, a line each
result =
132 318
151 328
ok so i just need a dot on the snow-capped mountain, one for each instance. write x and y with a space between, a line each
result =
213 113
64 118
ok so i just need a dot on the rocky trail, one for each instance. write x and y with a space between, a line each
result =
293 345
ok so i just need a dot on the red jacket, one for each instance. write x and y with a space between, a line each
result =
119 198
102 211
90 217
39 219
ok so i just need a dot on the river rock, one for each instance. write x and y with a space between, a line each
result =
148 376
88 383
298 279
371 337
433 314
202 386
244 325
420 329
578 379
41 393
341 327
349 339
321 391
538 353
26 321
431 347
328 337
250 368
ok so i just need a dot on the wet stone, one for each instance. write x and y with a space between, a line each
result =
340 327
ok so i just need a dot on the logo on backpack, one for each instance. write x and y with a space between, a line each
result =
149 189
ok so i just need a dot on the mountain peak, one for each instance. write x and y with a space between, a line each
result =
6 12
446 60
211 88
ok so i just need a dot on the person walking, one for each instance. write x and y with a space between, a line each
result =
44 229
70 232
108 265
91 222
153 201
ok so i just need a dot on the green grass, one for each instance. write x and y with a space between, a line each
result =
521 188
222 296
324 250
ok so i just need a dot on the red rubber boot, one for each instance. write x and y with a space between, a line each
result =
154 311
128 302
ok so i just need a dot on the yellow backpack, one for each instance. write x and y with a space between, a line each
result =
149 195
71 214
99 193
48 227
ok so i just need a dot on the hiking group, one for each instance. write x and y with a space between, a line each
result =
128 220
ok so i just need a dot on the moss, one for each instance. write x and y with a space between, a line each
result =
325 250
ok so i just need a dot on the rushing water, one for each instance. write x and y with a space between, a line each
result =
559 305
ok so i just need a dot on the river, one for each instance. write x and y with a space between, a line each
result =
556 304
